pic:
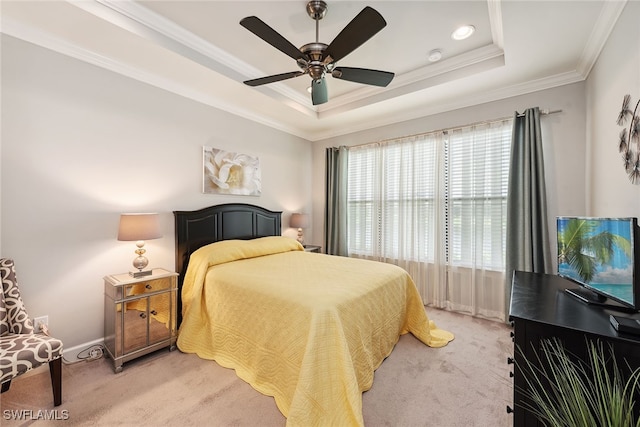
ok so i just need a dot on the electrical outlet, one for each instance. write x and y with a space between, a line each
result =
39 321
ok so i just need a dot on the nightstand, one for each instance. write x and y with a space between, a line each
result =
313 248
139 315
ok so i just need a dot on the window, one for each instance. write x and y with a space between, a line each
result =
438 197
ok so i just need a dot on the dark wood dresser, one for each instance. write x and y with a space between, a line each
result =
541 309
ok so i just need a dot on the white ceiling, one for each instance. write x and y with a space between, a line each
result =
198 49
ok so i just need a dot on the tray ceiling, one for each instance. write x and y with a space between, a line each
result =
198 49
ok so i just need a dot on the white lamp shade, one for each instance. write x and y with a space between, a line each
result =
139 226
299 220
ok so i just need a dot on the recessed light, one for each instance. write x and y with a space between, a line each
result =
435 55
463 32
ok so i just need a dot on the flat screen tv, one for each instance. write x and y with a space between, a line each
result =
602 256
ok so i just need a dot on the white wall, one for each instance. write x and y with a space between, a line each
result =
616 73
563 134
80 145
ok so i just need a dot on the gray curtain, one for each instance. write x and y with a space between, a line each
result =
335 217
528 247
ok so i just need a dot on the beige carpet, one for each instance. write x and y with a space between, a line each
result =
466 384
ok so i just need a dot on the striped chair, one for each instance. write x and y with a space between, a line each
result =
20 348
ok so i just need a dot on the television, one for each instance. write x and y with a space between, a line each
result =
601 255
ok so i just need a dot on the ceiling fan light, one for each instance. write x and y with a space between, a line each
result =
463 32
317 59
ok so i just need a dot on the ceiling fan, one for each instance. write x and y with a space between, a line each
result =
318 59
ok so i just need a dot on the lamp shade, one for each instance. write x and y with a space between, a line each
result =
299 220
139 226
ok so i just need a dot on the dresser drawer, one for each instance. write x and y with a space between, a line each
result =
145 287
123 287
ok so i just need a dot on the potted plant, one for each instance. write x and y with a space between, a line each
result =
564 390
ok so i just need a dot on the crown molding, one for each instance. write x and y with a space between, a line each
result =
495 20
605 24
142 21
48 41
131 16
456 104
463 65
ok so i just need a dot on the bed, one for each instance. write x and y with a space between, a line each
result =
308 329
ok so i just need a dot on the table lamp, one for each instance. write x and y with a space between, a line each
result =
299 221
139 227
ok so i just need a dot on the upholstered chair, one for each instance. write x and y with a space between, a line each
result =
20 348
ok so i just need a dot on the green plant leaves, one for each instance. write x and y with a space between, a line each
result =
563 390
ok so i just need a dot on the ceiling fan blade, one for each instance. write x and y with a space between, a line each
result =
271 36
364 26
319 91
273 79
363 75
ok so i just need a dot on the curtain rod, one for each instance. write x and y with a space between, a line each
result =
543 112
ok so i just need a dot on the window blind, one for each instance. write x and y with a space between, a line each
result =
402 193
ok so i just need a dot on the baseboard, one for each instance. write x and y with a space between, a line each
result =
71 354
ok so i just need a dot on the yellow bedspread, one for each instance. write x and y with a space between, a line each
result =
308 329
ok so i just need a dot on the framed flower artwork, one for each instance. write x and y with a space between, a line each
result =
225 172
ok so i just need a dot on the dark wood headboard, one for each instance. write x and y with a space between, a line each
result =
195 229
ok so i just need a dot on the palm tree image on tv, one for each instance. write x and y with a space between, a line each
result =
597 253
